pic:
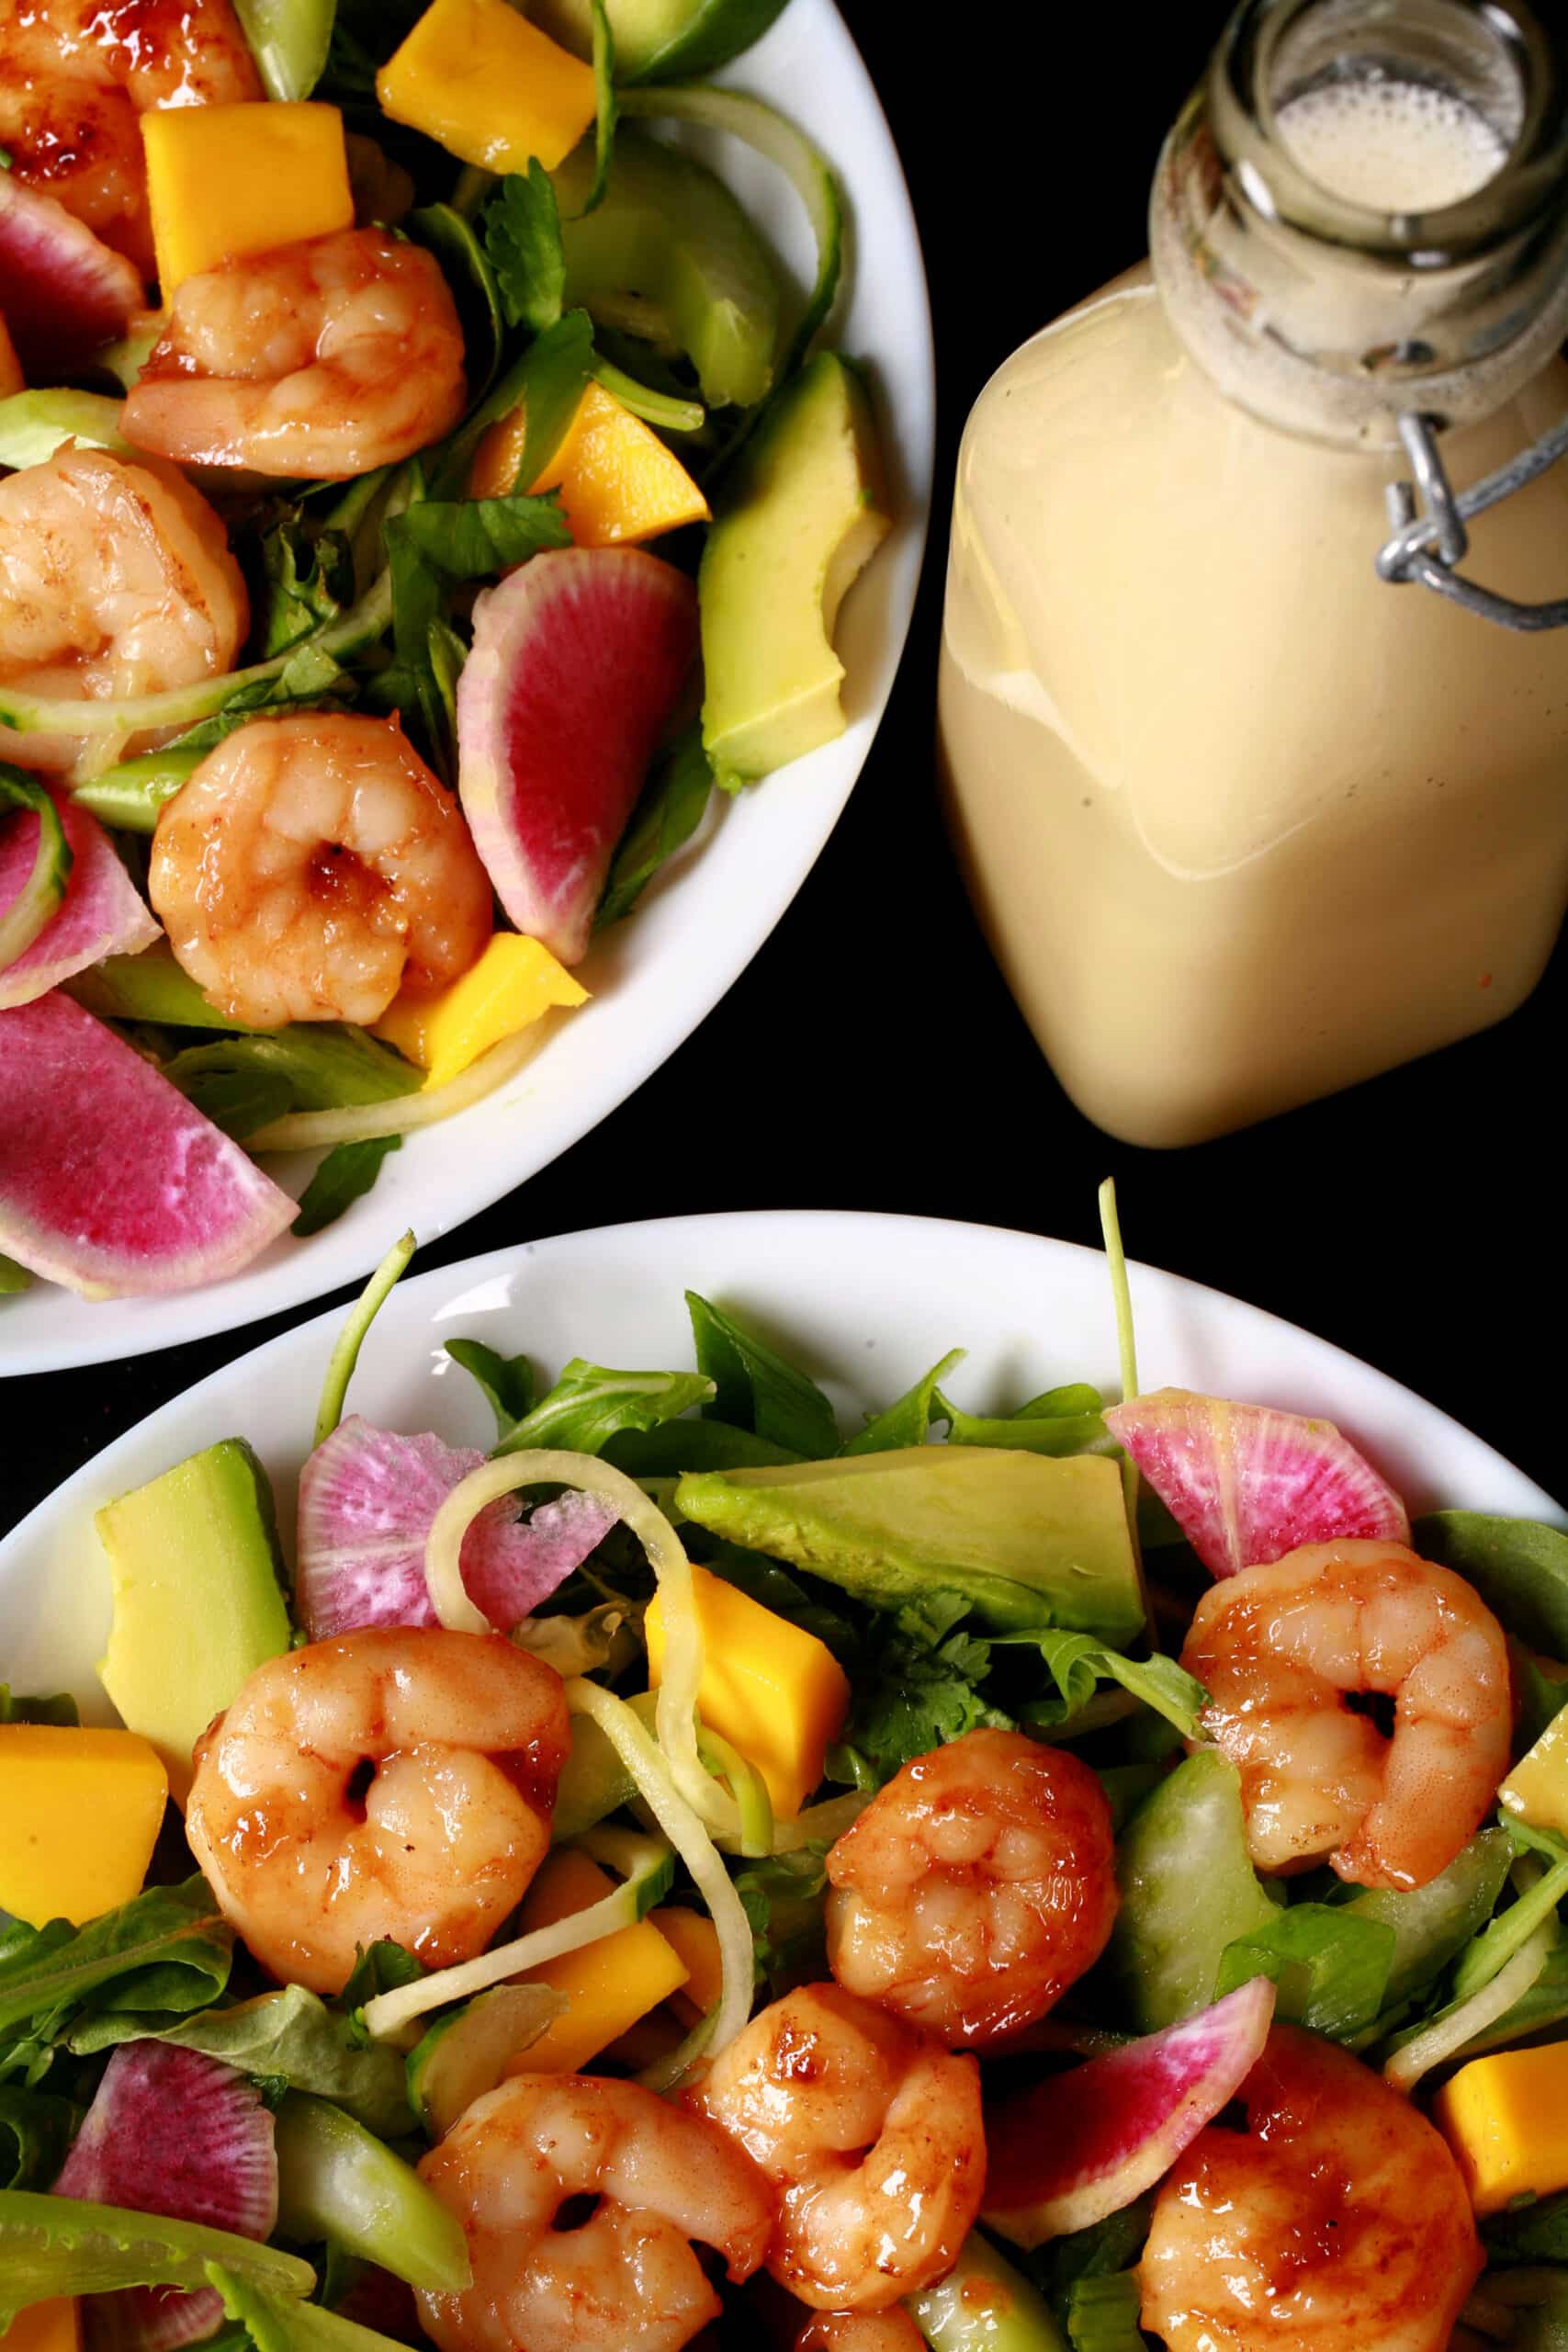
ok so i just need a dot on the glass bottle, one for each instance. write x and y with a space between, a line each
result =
1244 821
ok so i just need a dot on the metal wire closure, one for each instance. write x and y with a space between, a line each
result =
1426 547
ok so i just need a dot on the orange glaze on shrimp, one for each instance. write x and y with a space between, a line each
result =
76 75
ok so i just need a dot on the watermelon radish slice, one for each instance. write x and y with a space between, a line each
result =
578 661
171 2132
1246 1483
102 914
1081 2146
367 1501
110 1182
64 293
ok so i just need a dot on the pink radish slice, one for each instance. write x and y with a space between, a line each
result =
367 1501
579 660
1079 2146
110 1182
102 914
1246 1483
171 2132
64 292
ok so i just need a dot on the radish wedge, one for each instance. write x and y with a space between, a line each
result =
1081 2146
99 912
1247 1483
64 292
173 2133
367 1500
110 1182
579 660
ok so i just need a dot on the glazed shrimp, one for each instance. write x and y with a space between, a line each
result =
1282 1649
1337 2218
625 2275
75 75
115 580
310 866
319 359
974 1888
395 1783
872 2134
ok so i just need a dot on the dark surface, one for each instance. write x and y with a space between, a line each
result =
871 1057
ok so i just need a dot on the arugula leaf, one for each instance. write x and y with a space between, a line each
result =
1077 1663
381 1967
507 1381
12 1278
677 1446
243 1082
290 2037
663 821
169 1950
36 2129
1518 1567
909 1421
308 578
1331 1966
345 1174
58 1709
755 1387
452 241
1063 1422
521 229
590 1403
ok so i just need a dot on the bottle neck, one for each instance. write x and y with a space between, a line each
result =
1362 212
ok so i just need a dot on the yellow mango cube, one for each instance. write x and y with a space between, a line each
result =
772 1689
695 1939
619 484
1505 2118
513 982
608 1984
231 180
79 1813
489 87
1537 1788
52 2326
11 377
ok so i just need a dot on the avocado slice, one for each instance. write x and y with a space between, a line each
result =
670 256
1027 1539
655 39
197 1580
801 514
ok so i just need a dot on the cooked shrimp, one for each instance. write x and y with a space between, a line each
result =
627 2274
1284 1649
115 580
74 76
320 359
888 2331
974 1888
871 2133
310 866
392 1782
1336 2219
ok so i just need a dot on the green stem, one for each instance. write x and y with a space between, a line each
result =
346 1355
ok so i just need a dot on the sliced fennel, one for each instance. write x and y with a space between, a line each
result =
677 1711
365 1122
129 794
41 895
772 135
650 1872
746 1785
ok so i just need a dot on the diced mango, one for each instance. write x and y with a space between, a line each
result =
695 1939
608 1984
1504 2116
1537 1788
11 377
79 1813
513 982
489 87
772 1689
229 180
618 481
52 2326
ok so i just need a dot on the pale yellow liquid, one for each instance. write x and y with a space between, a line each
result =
1243 824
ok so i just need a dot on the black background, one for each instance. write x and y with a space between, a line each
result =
871 1057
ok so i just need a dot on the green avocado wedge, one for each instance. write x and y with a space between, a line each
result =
802 513
657 38
1027 1540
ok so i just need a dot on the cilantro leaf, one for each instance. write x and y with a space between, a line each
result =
521 229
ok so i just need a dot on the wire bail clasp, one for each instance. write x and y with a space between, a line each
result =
1427 545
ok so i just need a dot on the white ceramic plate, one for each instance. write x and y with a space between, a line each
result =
865 1302
655 977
